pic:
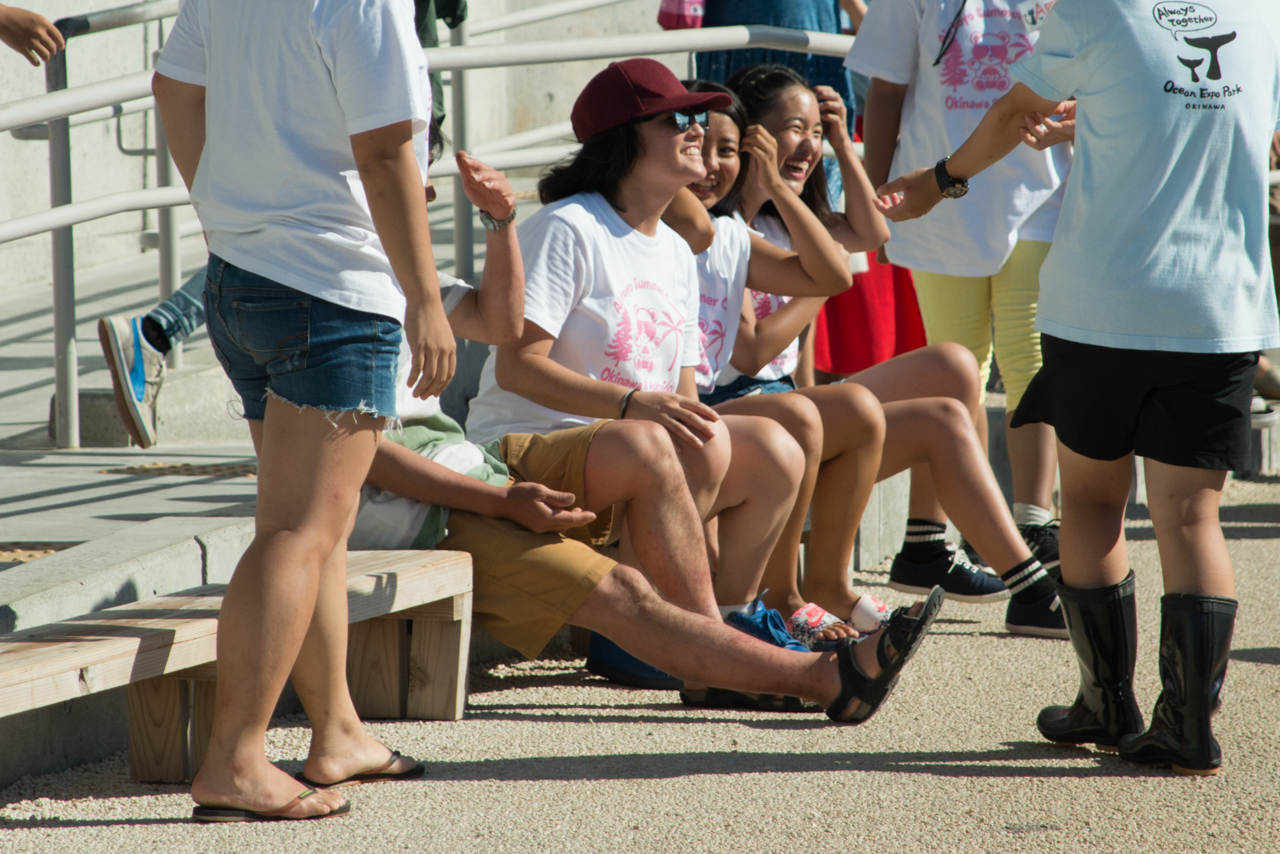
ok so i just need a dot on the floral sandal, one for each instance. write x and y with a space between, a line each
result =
807 625
904 634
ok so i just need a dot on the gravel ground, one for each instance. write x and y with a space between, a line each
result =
550 759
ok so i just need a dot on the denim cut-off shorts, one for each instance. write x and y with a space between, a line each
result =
304 350
745 387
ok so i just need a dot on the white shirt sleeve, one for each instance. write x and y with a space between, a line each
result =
553 272
691 345
183 57
1058 66
888 42
375 61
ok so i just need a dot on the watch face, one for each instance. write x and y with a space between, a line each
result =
955 191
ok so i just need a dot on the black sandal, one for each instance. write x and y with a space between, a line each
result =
904 633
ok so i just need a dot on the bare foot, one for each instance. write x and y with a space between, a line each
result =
260 788
335 759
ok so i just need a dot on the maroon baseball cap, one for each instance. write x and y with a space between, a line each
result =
635 89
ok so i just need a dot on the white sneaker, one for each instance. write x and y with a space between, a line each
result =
137 370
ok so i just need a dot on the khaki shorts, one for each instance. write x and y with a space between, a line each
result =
528 585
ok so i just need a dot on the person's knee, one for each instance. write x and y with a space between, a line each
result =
957 364
1194 510
705 468
861 414
950 419
624 593
801 418
648 447
782 457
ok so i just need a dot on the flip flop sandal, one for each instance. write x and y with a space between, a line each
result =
869 615
212 814
904 633
378 775
808 624
724 698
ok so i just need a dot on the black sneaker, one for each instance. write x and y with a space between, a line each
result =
1043 542
1041 619
952 571
972 553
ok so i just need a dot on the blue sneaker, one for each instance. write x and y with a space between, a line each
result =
767 625
605 658
961 580
1041 619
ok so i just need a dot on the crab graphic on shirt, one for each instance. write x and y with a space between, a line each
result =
642 330
991 54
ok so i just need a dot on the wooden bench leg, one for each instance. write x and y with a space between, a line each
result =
203 692
439 649
159 715
377 664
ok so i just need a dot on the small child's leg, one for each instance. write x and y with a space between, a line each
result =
1184 513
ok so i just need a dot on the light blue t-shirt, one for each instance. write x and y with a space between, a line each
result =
1162 239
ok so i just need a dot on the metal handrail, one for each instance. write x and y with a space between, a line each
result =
535 15
102 114
68 102
76 213
113 19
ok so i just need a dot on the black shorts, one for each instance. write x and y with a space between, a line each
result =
1183 409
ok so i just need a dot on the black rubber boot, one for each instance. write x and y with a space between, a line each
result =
1195 640
1103 625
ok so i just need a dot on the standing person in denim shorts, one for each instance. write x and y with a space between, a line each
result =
1154 302
298 128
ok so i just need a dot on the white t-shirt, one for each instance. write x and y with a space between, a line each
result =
722 278
974 235
1162 242
287 85
623 308
784 364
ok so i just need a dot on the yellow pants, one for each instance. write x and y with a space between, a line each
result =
963 309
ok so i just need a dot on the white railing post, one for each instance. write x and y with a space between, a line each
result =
66 418
464 266
170 253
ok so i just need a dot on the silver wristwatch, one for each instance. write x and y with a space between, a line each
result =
497 224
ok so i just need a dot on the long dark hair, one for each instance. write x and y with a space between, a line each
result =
738 115
598 167
760 88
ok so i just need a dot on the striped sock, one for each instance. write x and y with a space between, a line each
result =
925 541
1028 582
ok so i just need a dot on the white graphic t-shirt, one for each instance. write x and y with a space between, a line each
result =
1162 241
722 278
1017 198
623 308
784 364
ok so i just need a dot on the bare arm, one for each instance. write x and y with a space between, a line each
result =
999 132
527 369
760 341
393 187
29 34
867 228
397 469
181 108
880 123
689 219
818 266
856 10
494 314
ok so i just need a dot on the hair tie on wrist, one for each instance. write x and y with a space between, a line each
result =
622 407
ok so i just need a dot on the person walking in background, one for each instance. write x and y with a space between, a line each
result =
935 66
1155 299
29 34
298 128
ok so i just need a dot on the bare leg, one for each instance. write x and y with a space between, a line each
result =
631 613
937 431
1094 495
634 462
1184 511
308 482
754 501
1033 459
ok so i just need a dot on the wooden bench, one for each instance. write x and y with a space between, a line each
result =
410 615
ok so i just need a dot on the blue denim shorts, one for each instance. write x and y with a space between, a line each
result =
743 386
306 351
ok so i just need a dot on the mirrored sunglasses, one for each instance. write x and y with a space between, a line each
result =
683 120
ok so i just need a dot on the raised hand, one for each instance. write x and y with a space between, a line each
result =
686 419
911 196
763 166
486 187
835 116
543 510
29 34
